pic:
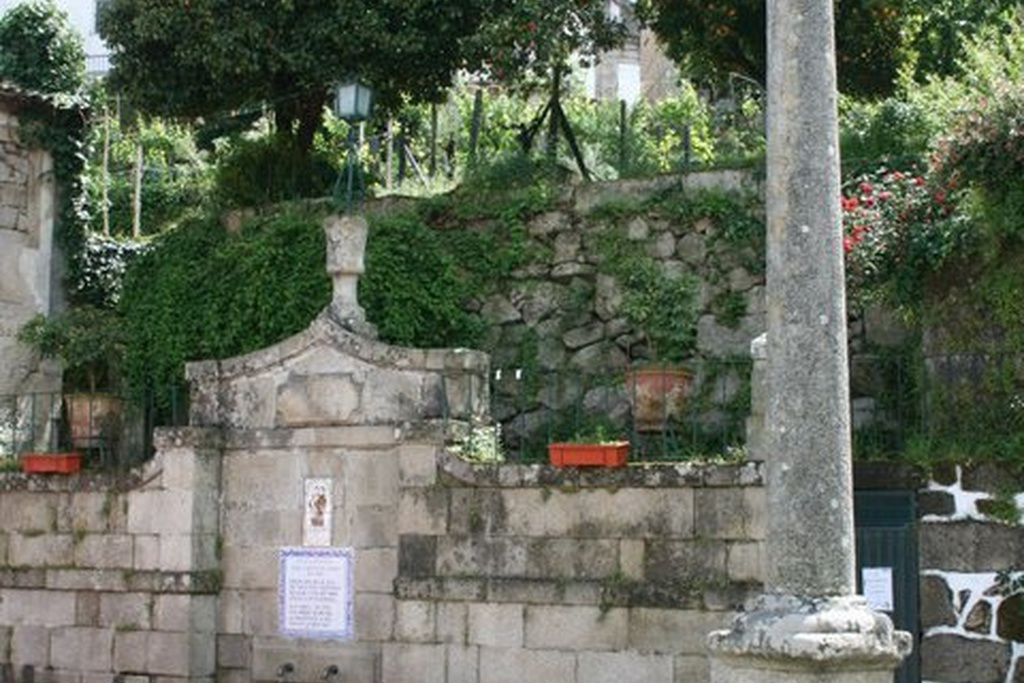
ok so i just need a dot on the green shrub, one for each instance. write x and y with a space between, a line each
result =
202 292
257 172
891 129
39 50
104 261
415 288
985 152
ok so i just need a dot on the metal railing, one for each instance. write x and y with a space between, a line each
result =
700 413
111 432
966 405
903 407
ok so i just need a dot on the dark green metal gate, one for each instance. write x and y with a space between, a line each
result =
886 530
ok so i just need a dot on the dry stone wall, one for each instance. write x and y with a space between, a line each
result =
561 320
571 307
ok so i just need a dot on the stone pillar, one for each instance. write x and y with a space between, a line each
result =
809 625
346 242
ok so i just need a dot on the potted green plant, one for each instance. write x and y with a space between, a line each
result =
663 308
88 341
595 448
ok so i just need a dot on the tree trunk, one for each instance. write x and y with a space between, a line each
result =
298 118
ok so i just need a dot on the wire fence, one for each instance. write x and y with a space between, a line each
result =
912 408
111 432
664 412
966 405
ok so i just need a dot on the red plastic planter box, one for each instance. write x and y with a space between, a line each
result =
611 454
51 463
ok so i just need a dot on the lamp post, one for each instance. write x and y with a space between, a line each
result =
353 102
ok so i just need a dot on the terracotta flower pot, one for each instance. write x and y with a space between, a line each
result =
658 396
95 419
51 463
610 454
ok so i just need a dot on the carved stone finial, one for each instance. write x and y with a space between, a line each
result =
346 242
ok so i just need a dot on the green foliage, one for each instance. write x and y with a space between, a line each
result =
522 42
978 304
729 308
202 292
1002 506
737 218
985 151
270 169
712 41
673 133
661 305
489 184
892 128
413 288
900 226
39 50
738 129
878 43
991 58
946 28
103 264
210 56
88 341
176 178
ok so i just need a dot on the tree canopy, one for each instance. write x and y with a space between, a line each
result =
876 40
523 40
197 57
39 50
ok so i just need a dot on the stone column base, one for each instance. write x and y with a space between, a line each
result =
819 640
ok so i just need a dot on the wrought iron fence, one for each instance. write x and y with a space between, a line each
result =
664 412
111 432
967 405
903 407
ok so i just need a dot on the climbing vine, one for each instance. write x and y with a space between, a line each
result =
57 124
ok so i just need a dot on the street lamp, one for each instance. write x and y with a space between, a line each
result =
353 102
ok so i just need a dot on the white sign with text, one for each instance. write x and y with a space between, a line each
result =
314 590
877 587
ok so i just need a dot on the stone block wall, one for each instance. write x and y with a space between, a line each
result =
262 512
104 576
561 316
528 572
